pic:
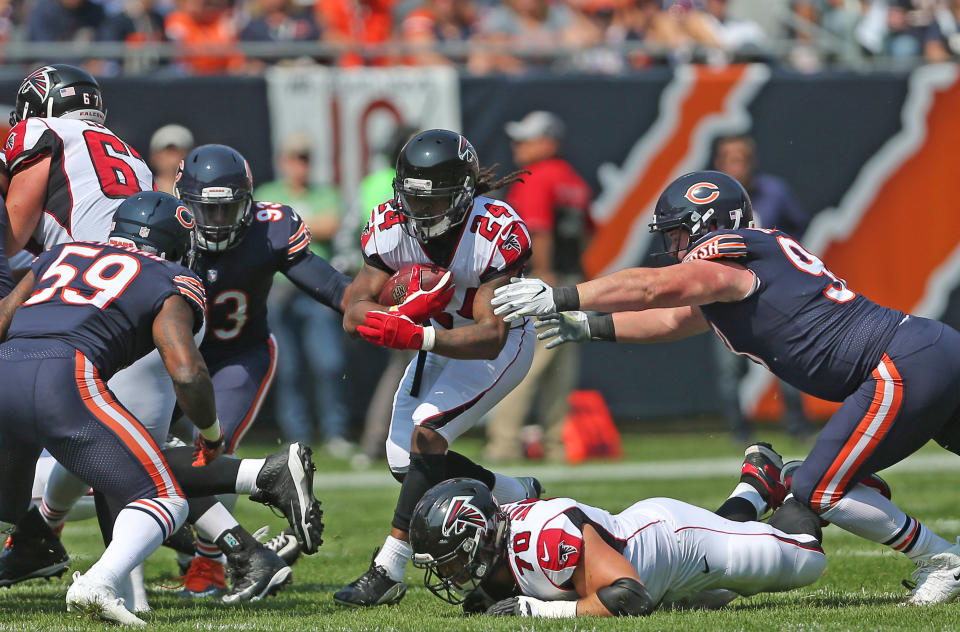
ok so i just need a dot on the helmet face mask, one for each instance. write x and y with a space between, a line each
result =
59 91
437 173
697 204
214 182
458 534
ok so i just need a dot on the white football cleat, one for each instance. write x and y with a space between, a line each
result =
91 598
937 579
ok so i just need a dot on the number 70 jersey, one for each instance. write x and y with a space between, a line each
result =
91 172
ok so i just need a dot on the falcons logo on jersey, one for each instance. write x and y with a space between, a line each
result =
38 82
460 515
566 550
512 243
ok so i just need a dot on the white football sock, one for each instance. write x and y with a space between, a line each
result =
210 526
62 492
247 476
140 529
750 494
508 489
867 513
393 557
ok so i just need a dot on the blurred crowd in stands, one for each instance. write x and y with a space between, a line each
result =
485 36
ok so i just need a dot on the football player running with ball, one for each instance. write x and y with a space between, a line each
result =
771 300
469 359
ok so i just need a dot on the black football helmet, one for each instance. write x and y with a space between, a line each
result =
700 202
214 181
458 534
437 173
157 223
59 91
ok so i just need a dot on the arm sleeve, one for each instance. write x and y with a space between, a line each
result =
559 547
190 288
723 246
28 141
298 242
316 277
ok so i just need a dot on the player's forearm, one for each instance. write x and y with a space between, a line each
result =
657 325
320 280
356 314
482 341
195 395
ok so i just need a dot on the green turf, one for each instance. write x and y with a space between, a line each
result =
859 590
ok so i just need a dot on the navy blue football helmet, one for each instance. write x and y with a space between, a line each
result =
157 223
59 91
437 172
214 181
700 203
458 535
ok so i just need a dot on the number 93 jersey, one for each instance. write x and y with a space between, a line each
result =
493 242
238 280
102 299
801 321
91 172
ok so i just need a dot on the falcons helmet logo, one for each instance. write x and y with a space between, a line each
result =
38 82
460 515
465 151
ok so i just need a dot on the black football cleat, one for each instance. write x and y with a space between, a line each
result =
255 571
286 483
373 588
31 551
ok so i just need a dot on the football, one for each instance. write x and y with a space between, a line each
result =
394 290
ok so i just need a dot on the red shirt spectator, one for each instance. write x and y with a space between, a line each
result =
553 200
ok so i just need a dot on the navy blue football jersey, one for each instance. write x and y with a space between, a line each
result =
102 300
802 322
238 280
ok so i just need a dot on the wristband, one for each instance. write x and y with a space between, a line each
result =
566 299
601 327
429 338
213 432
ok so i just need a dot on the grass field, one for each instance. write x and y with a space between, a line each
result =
859 590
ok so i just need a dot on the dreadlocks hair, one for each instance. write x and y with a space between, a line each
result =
487 183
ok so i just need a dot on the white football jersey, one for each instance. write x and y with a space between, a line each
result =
91 172
546 540
493 241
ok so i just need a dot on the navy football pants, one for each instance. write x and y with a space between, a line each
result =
53 398
912 396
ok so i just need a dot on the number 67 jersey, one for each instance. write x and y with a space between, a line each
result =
91 172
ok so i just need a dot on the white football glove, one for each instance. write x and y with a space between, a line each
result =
564 327
523 297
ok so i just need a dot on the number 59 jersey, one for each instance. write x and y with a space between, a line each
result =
801 321
102 299
493 242
91 172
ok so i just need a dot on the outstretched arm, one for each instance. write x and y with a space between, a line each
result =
319 279
652 325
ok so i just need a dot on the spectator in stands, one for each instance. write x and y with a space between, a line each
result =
554 201
528 26
733 35
139 22
200 24
168 146
445 21
65 21
774 206
280 21
356 23
310 337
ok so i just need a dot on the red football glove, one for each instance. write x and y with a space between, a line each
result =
391 330
204 452
422 305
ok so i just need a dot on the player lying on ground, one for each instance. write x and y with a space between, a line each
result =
558 558
768 298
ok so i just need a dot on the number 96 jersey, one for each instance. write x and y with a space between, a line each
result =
91 172
493 242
